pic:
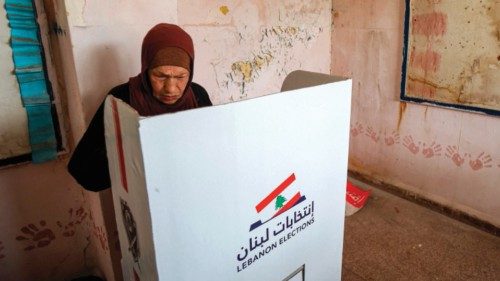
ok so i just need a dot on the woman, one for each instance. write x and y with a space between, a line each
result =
163 86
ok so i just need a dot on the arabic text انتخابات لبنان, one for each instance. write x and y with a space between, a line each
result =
247 255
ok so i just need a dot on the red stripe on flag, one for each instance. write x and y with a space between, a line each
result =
269 198
288 205
119 145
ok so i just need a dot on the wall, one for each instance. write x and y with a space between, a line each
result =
51 228
244 49
42 215
449 156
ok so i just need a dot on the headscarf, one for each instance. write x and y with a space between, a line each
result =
161 36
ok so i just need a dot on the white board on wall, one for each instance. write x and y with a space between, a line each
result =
252 190
14 138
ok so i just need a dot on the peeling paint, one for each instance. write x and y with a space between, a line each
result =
249 69
224 10
287 35
258 43
245 68
276 42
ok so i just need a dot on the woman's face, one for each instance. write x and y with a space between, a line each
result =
168 82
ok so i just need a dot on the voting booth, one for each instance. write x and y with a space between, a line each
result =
251 190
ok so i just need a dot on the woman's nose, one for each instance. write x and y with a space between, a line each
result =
169 85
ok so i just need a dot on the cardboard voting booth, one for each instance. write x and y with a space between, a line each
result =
251 190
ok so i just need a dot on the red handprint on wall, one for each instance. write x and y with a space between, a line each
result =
356 129
482 161
411 145
69 228
391 139
454 155
1 250
374 136
36 237
432 150
101 235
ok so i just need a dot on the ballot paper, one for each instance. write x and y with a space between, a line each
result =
251 190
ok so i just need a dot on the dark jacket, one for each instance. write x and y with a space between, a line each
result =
89 162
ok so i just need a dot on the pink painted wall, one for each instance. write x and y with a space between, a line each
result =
446 155
51 228
43 218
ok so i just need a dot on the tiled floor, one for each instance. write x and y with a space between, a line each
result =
394 239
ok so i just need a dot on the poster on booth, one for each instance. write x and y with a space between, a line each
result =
251 190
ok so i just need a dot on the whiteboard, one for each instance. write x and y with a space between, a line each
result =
14 138
452 54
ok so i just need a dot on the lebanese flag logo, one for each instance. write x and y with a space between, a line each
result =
281 203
